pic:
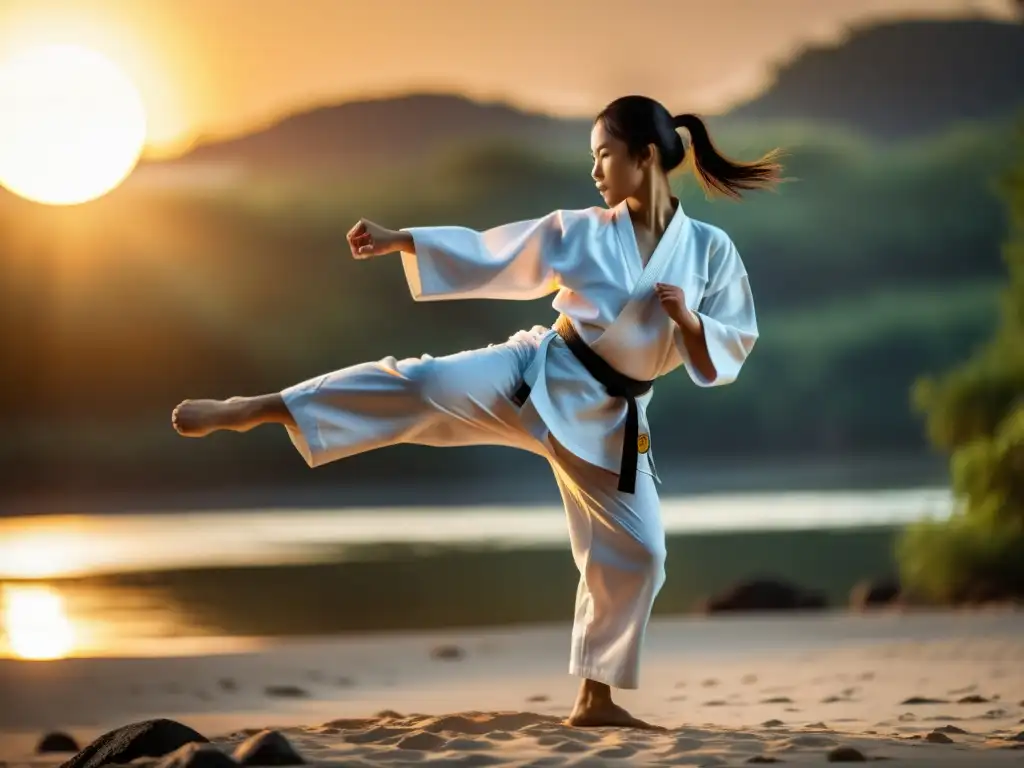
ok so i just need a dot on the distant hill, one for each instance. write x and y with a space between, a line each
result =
892 81
382 132
901 80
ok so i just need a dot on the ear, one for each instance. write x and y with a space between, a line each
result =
649 156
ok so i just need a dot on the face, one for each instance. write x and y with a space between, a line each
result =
616 174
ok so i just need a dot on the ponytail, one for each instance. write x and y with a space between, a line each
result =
717 173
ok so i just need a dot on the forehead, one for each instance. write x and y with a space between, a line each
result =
599 136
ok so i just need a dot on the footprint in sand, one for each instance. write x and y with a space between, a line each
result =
462 744
617 752
447 653
809 740
420 741
286 692
950 729
500 736
568 746
972 699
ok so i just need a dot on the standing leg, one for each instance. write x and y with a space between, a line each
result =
618 543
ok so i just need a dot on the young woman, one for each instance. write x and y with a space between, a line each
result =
642 289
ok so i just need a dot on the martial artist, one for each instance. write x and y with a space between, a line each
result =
641 289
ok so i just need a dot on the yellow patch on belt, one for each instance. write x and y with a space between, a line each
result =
643 443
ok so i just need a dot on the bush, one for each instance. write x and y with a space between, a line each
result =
976 413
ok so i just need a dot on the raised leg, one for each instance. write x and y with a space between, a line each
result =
198 418
455 400
618 543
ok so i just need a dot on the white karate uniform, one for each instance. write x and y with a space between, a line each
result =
590 257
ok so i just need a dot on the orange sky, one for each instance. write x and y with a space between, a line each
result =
210 67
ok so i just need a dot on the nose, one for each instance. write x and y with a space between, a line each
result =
595 173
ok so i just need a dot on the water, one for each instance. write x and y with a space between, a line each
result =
47 547
168 583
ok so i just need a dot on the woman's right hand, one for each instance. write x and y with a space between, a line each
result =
367 240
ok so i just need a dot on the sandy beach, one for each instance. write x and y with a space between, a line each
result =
928 689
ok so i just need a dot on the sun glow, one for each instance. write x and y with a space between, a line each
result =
35 622
73 125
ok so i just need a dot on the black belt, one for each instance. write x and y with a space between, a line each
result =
616 385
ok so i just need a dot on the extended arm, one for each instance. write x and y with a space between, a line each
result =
523 260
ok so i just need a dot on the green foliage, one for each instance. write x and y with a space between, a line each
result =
968 558
976 413
871 267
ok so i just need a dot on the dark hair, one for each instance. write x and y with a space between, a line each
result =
639 121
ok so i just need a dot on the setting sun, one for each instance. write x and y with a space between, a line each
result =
35 622
73 125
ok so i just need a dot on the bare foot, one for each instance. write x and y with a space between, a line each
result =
604 714
198 418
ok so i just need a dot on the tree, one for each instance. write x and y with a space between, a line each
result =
976 414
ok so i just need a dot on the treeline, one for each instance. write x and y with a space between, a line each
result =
871 267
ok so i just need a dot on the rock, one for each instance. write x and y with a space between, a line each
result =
875 594
973 699
763 759
923 700
147 738
267 748
228 684
286 692
846 755
56 742
949 729
196 755
938 738
764 595
772 723
447 653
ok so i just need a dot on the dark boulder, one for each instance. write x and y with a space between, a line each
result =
148 738
764 595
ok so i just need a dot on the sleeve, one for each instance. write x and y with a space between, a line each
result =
524 260
730 323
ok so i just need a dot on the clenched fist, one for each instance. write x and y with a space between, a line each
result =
673 301
367 240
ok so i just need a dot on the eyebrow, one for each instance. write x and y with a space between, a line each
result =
599 148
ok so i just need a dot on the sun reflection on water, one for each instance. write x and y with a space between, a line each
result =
35 623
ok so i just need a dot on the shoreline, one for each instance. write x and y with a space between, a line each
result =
727 688
532 486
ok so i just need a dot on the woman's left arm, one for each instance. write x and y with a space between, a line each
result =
715 340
